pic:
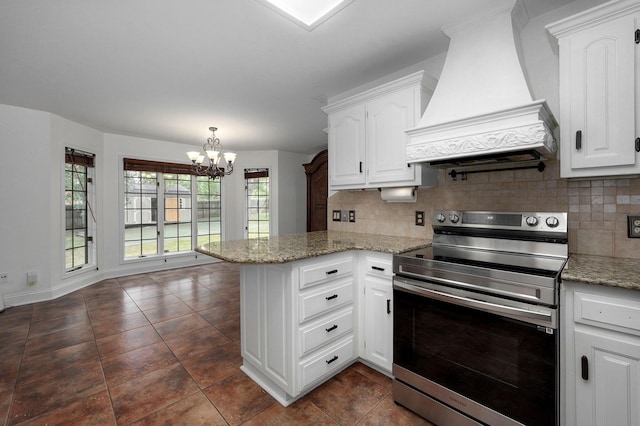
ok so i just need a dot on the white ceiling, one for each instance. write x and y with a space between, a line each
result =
168 70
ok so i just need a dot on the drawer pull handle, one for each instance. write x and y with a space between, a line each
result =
579 140
377 268
333 271
330 329
334 296
329 361
585 367
388 306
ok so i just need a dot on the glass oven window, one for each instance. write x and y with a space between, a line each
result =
506 365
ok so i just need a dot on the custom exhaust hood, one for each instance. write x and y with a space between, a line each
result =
482 112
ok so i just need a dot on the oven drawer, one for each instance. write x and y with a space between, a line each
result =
325 331
607 312
327 362
320 273
328 298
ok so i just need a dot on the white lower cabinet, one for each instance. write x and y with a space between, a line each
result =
297 323
377 330
607 389
302 322
601 356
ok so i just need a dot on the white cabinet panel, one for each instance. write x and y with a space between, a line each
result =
326 299
602 96
379 322
601 355
326 362
599 90
607 391
325 330
347 146
387 119
325 270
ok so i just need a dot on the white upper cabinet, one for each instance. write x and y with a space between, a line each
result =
367 139
387 119
346 159
600 90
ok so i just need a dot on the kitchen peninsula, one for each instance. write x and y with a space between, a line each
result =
312 303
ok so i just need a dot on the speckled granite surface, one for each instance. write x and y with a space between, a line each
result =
601 270
288 248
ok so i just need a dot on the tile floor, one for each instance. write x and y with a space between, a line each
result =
160 348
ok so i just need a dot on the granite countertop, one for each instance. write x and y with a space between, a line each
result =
292 247
602 270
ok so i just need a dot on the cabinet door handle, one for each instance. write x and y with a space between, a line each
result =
329 361
361 167
388 306
579 140
377 268
584 361
334 296
333 271
333 327
637 144
638 36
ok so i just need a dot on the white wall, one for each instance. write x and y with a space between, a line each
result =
31 217
25 223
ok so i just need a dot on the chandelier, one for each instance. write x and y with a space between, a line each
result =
213 151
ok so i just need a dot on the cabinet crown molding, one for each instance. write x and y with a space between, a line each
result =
591 17
428 84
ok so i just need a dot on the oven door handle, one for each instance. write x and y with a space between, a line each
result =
481 305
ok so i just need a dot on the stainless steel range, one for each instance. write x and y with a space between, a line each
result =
476 336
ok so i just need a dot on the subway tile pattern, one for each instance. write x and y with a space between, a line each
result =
597 208
160 348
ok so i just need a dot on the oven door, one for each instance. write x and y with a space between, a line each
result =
493 360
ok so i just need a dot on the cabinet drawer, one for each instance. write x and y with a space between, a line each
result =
328 298
327 362
320 273
378 266
607 312
325 331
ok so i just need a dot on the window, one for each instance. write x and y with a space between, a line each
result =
140 213
165 221
257 191
209 210
80 220
177 212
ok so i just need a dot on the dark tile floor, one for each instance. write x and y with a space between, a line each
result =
160 348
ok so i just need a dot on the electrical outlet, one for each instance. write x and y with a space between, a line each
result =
336 216
344 215
419 218
633 226
352 215
4 278
32 278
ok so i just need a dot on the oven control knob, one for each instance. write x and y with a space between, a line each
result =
440 217
532 220
552 221
454 218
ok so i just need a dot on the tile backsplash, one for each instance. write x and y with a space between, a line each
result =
597 208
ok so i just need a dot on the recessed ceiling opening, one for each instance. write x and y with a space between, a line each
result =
308 14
